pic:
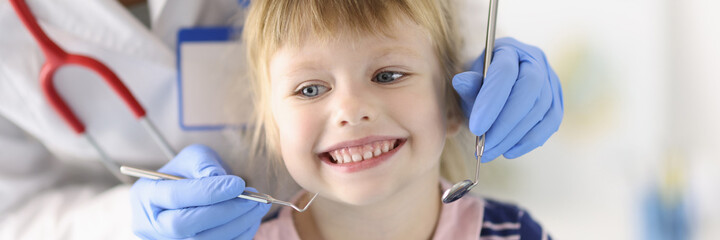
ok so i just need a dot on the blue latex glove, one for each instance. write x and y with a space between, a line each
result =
203 206
520 104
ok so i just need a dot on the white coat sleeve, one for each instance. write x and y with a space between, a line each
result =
45 198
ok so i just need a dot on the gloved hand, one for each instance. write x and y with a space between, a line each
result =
520 104
203 206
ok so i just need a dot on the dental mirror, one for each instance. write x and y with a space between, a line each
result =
460 189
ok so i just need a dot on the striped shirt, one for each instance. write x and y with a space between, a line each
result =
467 218
503 221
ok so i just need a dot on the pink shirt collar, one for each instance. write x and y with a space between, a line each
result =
461 219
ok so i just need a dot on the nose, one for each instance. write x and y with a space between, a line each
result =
353 109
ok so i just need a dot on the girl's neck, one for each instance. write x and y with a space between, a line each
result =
411 213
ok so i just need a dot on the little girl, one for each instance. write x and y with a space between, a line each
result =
354 98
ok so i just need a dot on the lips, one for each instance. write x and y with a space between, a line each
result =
361 154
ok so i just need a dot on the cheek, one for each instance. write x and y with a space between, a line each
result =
294 124
423 115
289 123
298 130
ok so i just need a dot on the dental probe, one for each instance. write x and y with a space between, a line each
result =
252 196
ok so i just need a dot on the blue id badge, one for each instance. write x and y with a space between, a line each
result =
211 69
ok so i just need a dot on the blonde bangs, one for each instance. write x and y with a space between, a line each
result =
273 24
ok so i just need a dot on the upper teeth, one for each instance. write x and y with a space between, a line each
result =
364 152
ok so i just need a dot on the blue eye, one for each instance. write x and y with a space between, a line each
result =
387 77
311 91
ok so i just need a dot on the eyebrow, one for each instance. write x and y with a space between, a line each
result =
397 50
304 67
311 64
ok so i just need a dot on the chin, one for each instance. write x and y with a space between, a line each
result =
364 194
361 198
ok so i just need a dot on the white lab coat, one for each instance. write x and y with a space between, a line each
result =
52 184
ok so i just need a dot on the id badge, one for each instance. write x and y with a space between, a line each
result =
211 74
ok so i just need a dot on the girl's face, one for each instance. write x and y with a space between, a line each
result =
360 118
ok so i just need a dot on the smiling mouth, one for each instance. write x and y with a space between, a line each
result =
362 152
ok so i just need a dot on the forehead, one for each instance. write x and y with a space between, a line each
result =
405 40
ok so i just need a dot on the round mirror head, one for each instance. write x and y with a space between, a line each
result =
457 191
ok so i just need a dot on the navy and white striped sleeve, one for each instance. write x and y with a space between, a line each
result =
502 221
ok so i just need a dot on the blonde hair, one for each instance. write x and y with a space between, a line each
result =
272 24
